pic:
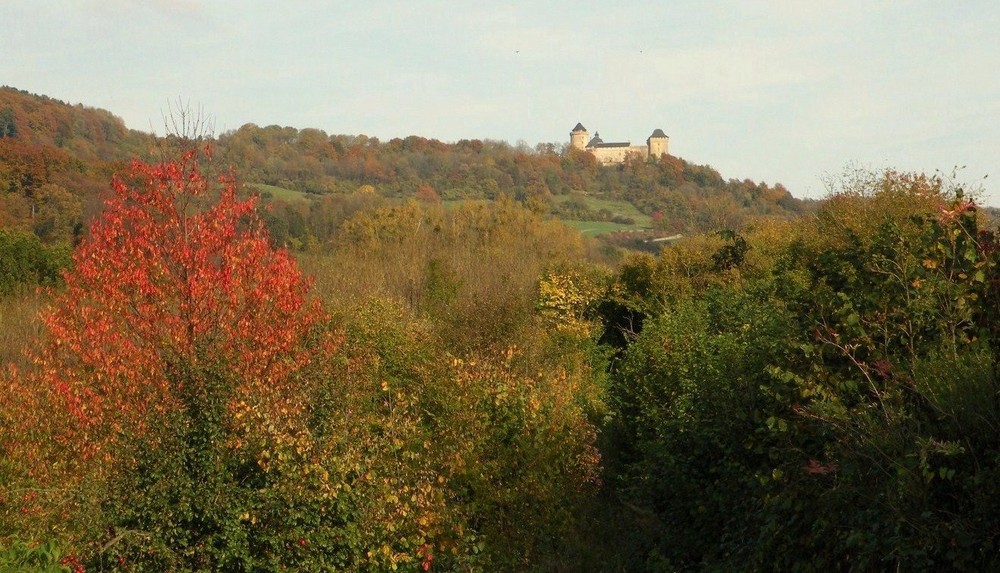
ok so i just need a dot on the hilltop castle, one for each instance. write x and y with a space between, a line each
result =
656 145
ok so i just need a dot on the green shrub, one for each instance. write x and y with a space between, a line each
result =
26 262
48 557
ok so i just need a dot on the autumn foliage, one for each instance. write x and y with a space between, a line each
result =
161 290
475 392
179 349
191 408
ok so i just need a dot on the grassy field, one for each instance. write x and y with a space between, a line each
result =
595 228
282 193
616 207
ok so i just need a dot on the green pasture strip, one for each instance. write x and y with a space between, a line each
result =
595 228
616 207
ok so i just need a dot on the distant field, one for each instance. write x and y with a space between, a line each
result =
589 228
282 193
595 228
616 207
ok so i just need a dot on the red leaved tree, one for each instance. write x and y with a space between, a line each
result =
182 353
177 278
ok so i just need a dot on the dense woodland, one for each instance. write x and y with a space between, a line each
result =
55 160
396 356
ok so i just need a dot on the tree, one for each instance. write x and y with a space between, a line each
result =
161 289
8 126
427 194
58 214
26 262
177 363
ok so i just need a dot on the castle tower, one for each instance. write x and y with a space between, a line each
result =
658 143
578 137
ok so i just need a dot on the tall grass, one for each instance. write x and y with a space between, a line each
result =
20 327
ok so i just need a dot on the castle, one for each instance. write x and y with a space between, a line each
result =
656 145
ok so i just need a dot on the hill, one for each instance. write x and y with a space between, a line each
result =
627 204
87 134
679 196
56 158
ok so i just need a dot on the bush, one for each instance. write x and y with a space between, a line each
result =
48 557
25 262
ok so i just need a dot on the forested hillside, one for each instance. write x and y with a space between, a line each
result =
88 134
56 159
679 196
279 350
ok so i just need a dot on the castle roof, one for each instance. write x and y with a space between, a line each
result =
658 133
596 141
579 127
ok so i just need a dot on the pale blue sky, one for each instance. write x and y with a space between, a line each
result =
784 91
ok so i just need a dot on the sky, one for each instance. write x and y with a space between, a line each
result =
781 91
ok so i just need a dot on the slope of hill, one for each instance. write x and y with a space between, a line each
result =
677 196
55 158
88 134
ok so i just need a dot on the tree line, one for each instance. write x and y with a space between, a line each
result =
56 159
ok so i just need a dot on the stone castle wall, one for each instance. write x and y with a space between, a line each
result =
617 154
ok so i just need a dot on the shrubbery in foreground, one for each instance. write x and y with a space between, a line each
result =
193 409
